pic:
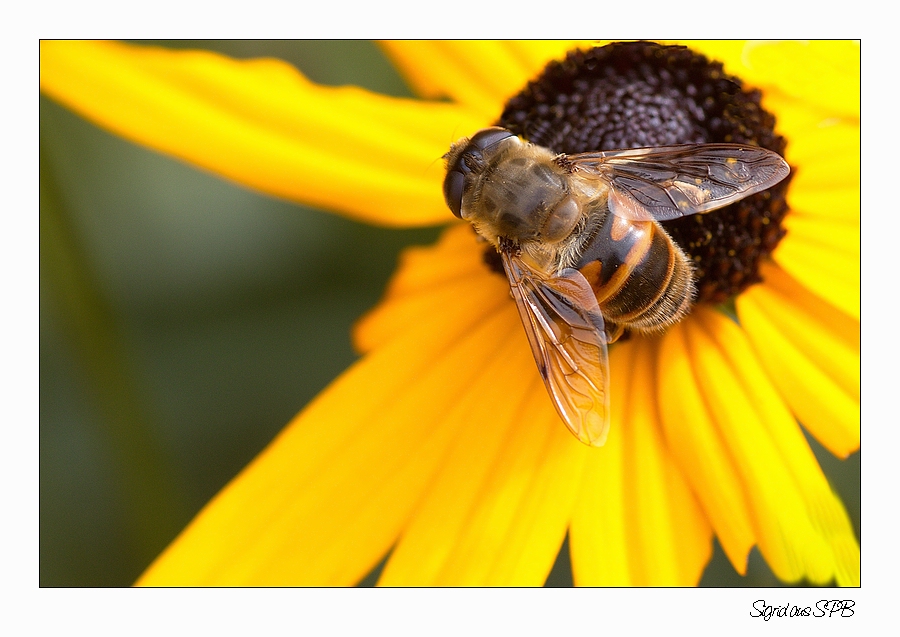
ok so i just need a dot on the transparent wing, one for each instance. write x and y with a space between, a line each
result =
668 182
565 329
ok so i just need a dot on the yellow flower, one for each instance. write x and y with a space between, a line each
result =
440 445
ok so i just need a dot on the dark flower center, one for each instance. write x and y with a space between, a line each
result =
636 94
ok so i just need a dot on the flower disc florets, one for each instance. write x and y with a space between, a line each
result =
638 94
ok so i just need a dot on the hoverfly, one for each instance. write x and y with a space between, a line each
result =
582 247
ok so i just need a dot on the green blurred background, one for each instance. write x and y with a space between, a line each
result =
184 320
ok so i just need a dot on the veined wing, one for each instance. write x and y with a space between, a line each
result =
567 337
668 182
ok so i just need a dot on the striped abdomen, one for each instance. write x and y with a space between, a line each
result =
642 279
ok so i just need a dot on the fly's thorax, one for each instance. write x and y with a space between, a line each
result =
524 195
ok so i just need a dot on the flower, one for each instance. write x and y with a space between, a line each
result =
440 445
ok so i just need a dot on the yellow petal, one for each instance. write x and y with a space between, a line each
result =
496 514
671 538
825 156
695 442
598 537
831 274
328 497
829 234
802 527
262 124
431 279
839 204
644 509
794 118
824 73
811 352
481 74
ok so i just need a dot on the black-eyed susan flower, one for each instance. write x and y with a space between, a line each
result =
440 446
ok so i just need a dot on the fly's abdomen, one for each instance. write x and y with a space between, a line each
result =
642 279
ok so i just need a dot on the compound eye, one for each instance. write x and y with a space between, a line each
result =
454 184
468 161
487 137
